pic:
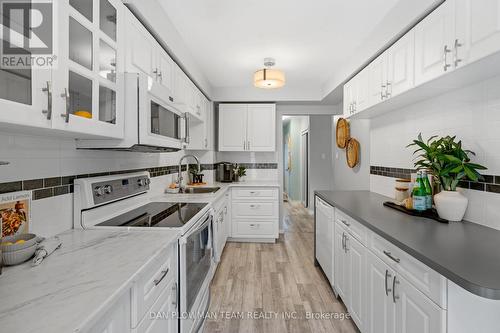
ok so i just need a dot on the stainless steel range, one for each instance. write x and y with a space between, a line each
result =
123 201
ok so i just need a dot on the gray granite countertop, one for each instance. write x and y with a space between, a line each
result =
466 253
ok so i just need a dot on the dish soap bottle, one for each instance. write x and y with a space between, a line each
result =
419 194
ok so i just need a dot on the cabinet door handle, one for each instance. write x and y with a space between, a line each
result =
457 45
345 223
187 139
388 93
170 98
446 50
346 249
343 241
68 105
389 254
394 282
248 145
382 87
174 298
48 90
387 276
162 276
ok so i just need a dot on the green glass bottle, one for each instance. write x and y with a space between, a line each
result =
428 189
419 194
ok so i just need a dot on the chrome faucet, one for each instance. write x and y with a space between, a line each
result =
179 175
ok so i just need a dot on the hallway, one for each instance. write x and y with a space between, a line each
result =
275 287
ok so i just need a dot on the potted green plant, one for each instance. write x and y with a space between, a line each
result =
449 164
239 172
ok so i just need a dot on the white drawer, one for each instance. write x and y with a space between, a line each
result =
255 209
152 281
252 229
356 229
260 193
161 317
425 279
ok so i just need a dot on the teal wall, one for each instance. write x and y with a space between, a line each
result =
292 178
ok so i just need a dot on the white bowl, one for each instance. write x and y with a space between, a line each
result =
19 256
30 240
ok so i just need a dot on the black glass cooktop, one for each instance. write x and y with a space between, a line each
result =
157 215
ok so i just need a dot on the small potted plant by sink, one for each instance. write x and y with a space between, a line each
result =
239 172
445 159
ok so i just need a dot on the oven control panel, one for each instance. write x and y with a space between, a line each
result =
115 189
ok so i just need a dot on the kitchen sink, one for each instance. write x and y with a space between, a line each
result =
200 190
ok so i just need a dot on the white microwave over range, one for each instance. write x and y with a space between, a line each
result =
153 123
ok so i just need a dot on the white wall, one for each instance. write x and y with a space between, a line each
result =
345 178
33 157
472 113
320 155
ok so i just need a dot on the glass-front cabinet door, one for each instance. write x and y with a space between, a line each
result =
88 83
25 89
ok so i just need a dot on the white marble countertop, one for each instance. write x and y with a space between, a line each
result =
213 197
73 286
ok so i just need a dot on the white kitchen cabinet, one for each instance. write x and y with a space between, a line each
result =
377 79
401 66
89 78
261 127
477 30
350 274
381 309
434 40
356 92
324 219
348 98
254 217
415 312
341 262
221 225
232 127
200 129
247 127
165 305
83 95
356 253
116 319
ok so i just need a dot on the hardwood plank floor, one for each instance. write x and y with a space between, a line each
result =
275 287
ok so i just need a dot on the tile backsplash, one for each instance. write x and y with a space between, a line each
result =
472 114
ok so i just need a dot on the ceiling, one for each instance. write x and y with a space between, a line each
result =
310 40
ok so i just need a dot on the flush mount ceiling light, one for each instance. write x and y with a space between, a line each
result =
268 78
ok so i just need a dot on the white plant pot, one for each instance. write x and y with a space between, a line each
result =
451 205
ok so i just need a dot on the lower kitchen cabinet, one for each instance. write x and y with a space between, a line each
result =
115 320
350 276
379 295
254 213
221 225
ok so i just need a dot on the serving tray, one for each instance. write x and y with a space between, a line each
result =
428 214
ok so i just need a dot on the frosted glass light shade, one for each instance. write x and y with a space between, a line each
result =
269 79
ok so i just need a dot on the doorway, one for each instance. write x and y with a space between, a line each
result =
296 159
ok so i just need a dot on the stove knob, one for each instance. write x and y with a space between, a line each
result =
140 182
98 191
108 189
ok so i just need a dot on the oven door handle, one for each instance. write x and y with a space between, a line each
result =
194 229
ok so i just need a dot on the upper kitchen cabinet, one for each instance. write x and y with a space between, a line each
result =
356 93
434 40
477 30
247 127
146 56
200 132
88 85
400 66
82 95
261 127
233 127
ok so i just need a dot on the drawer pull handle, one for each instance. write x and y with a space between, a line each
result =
345 223
163 274
389 254
387 276
254 206
255 226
